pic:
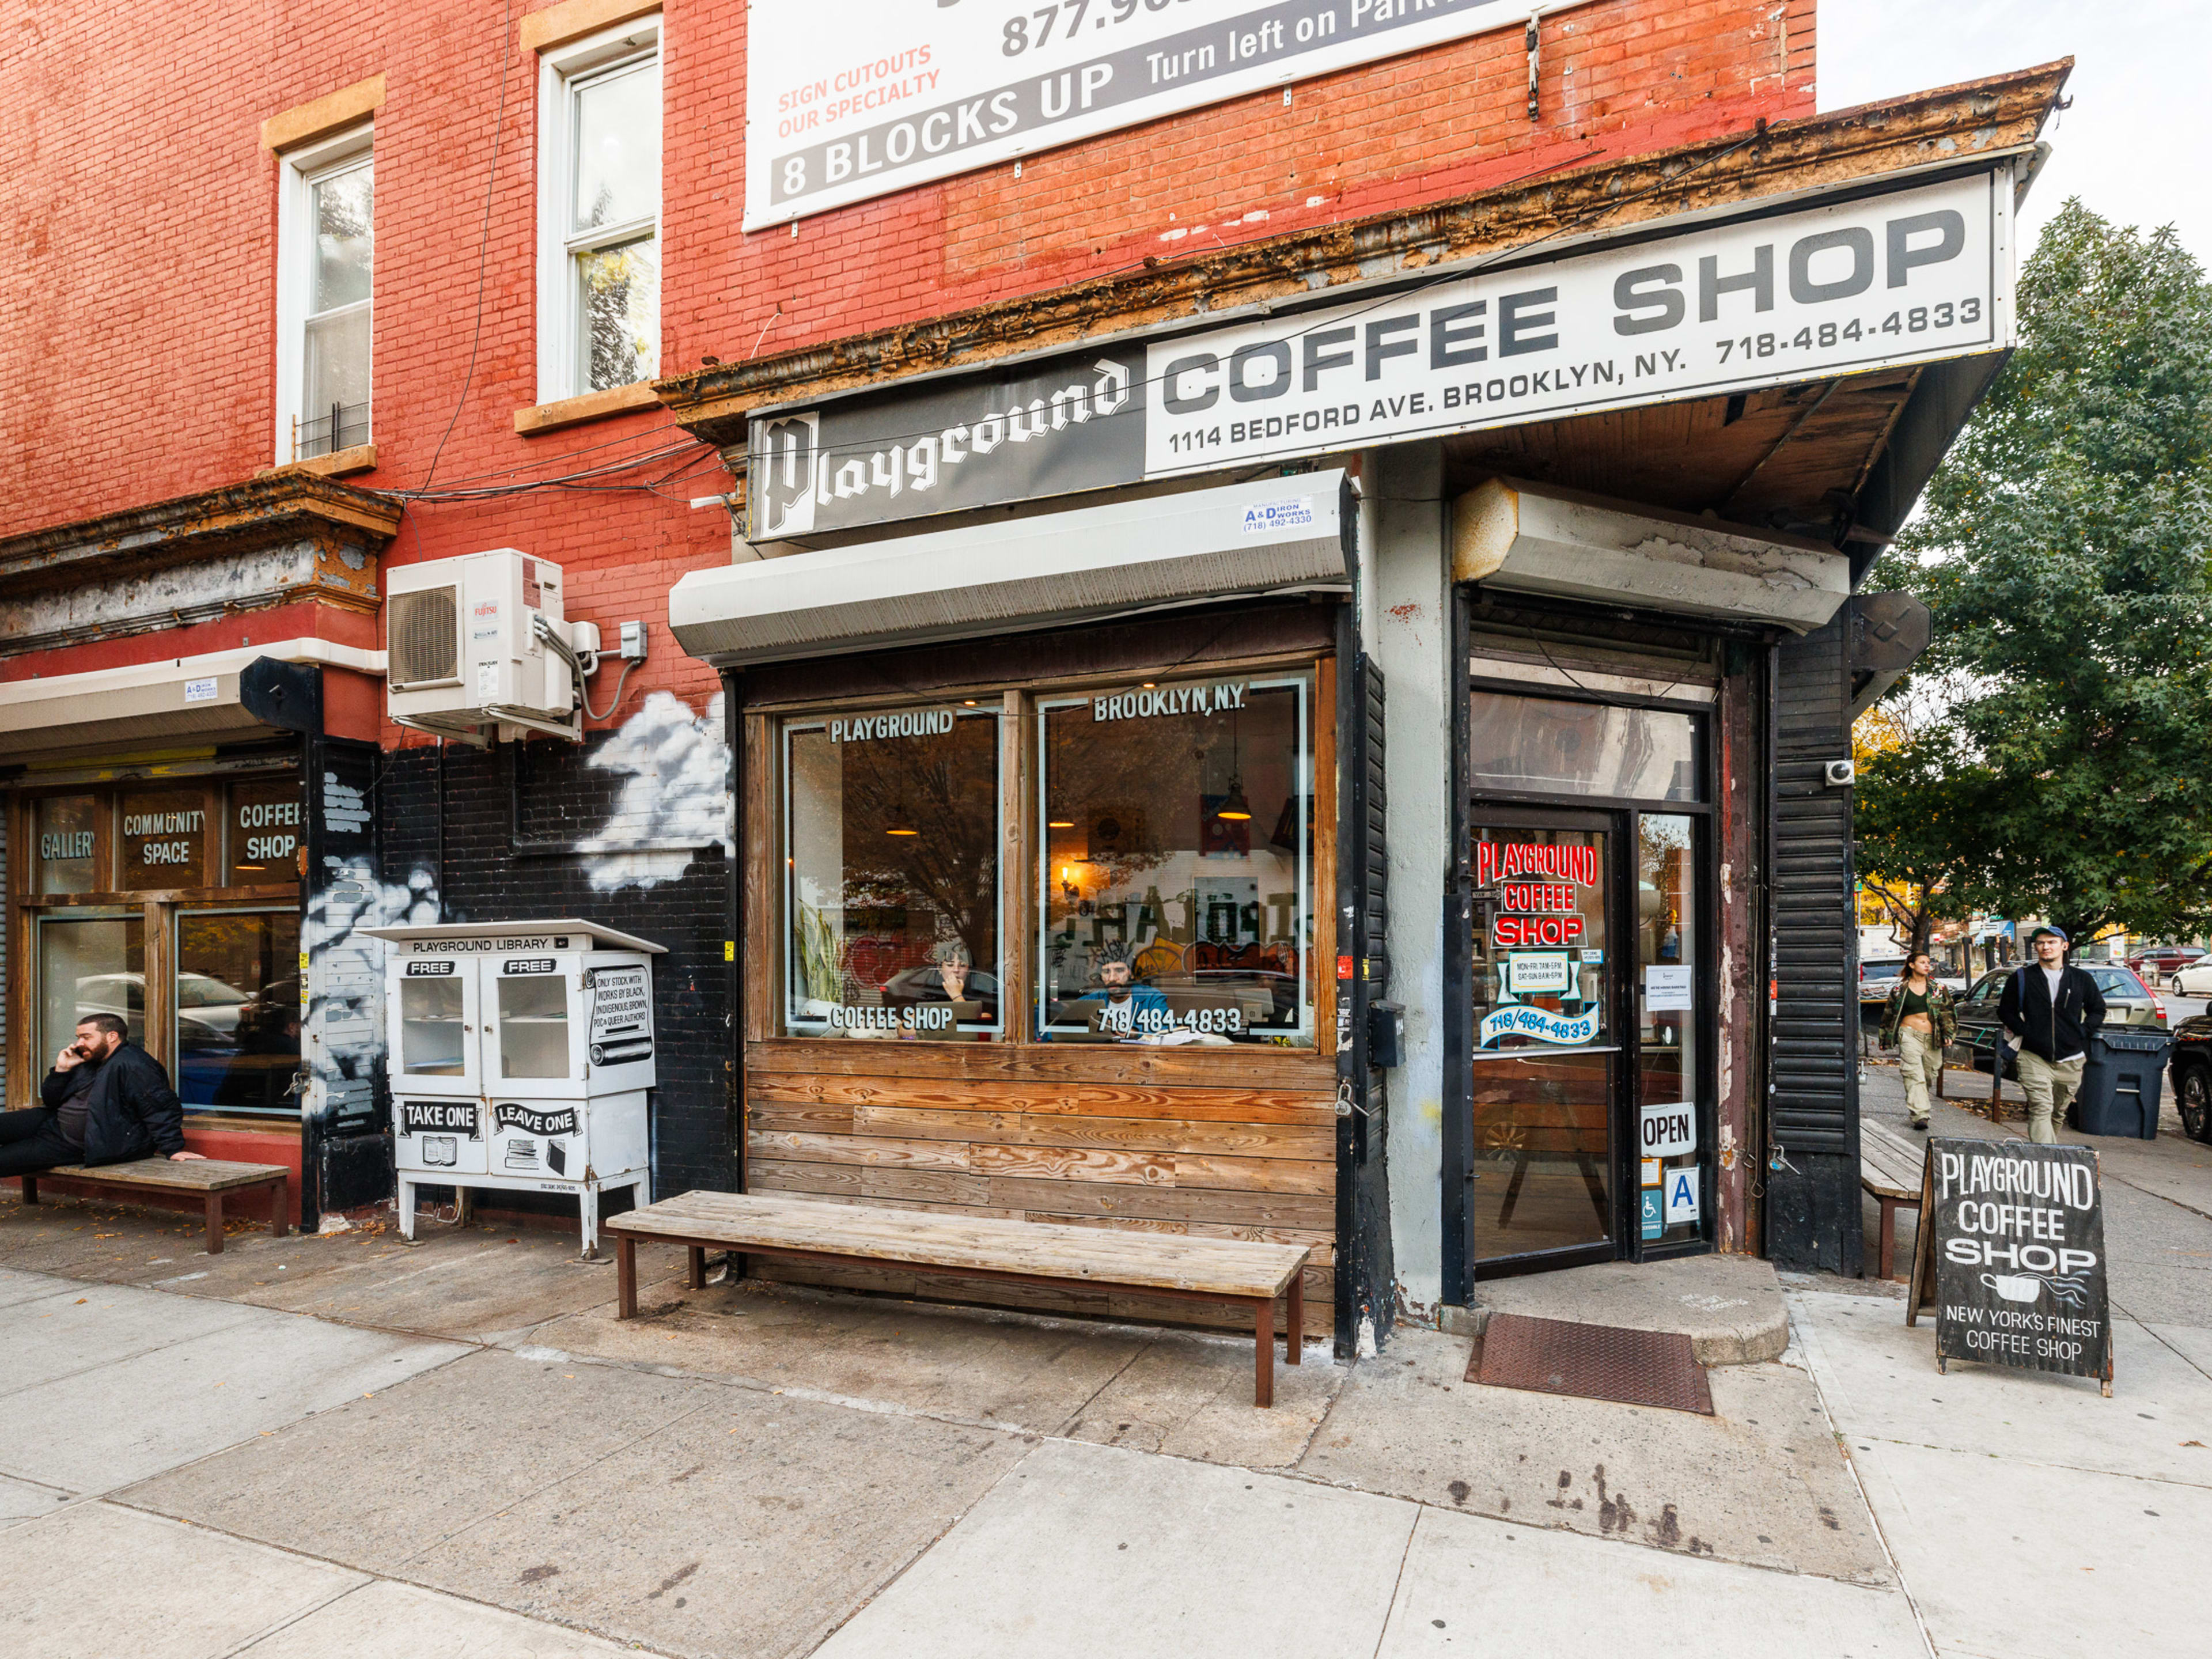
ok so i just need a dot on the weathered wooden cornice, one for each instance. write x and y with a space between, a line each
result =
281 508
1997 116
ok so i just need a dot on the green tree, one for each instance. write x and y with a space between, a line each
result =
2062 550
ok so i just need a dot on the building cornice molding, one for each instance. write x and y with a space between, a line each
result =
1955 125
283 506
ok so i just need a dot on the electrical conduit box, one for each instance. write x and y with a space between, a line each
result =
467 646
521 1059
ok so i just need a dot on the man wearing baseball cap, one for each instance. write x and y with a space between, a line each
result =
2050 1009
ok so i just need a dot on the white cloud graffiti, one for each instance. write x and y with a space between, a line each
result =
675 801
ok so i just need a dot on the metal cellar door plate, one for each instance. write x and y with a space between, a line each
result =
1591 1362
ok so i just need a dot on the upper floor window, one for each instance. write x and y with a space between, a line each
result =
326 251
600 213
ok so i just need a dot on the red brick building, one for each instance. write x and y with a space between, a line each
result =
372 287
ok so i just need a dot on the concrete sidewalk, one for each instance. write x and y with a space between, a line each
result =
308 1446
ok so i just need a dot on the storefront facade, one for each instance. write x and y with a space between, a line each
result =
1240 664
1311 777
188 816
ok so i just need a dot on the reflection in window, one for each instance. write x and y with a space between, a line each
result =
891 839
1548 746
68 839
94 966
238 1010
1178 853
1666 990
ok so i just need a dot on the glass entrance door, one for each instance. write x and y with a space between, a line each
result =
1547 1048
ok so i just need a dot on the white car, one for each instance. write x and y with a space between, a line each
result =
2193 981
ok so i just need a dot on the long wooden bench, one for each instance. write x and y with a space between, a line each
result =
208 1179
1017 1252
1889 1168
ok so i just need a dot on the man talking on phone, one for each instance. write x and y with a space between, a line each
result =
107 1101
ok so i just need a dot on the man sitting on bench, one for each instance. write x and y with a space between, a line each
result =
107 1101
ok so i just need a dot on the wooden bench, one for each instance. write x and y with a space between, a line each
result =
1889 1168
1015 1252
210 1179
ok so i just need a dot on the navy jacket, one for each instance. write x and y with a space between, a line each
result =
2053 1033
134 1112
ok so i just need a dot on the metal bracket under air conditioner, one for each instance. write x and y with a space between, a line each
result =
473 732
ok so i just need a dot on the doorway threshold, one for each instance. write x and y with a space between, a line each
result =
1729 1306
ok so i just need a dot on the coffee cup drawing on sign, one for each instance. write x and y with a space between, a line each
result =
2014 1287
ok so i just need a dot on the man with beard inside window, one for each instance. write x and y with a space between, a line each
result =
1125 1008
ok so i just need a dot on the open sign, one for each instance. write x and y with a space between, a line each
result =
1670 1130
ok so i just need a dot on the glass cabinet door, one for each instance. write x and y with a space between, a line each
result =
437 1023
530 1031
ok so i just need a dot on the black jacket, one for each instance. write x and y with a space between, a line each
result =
2053 1033
134 1112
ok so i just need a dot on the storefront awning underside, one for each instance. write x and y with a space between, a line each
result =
1277 534
193 699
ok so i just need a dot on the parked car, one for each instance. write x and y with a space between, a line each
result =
2191 1068
2127 1001
2162 961
1876 979
2192 980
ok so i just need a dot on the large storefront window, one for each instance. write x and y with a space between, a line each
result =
1175 873
87 965
208 864
892 827
238 1010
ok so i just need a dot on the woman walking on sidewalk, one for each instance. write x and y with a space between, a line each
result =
1918 1023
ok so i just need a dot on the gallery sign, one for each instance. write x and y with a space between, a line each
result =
1914 276
901 92
2013 1255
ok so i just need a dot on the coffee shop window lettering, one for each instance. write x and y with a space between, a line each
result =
1175 864
209 867
891 831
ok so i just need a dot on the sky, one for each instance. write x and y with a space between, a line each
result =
2136 147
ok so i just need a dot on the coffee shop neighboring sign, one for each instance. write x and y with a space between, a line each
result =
1911 276
2013 1253
900 92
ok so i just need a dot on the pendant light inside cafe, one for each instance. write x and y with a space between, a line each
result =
1234 808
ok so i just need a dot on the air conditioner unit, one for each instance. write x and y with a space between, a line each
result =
481 642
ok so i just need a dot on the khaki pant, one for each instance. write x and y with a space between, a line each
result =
1920 1057
2048 1088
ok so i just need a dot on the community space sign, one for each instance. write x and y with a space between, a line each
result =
2013 1255
1844 287
856 99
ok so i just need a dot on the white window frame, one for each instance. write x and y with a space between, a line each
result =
560 366
301 170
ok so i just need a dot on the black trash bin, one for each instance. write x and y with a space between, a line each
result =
2123 1084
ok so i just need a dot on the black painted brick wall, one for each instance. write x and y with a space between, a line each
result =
486 879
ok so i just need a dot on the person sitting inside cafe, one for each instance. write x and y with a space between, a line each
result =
107 1101
1124 1007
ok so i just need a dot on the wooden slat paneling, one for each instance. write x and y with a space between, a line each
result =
1206 1142
1252 1066
1048 1096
